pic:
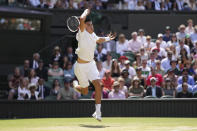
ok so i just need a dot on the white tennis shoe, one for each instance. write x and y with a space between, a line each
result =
97 116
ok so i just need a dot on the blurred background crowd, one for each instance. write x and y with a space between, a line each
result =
158 5
134 67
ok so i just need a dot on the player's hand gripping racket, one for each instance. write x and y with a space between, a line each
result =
73 23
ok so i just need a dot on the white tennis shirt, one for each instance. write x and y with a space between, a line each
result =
86 45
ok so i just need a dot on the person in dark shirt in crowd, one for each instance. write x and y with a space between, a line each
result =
184 93
57 56
71 56
154 90
167 36
42 89
41 71
25 68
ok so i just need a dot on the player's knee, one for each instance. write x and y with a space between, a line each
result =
85 91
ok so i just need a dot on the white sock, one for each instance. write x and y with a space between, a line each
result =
98 108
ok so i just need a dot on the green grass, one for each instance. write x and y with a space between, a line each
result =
107 124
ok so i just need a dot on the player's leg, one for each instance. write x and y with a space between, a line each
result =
79 88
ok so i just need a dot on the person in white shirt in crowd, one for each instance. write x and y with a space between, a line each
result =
141 36
193 36
123 88
148 44
34 62
100 68
32 93
130 69
159 69
143 54
161 51
157 4
122 59
33 78
116 93
121 44
163 43
165 63
182 45
23 88
107 64
145 69
180 4
134 45
152 61
34 3
140 5
173 41
181 34
189 29
131 4
100 53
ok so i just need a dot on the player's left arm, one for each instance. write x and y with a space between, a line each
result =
108 38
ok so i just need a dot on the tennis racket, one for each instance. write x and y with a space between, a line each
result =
73 23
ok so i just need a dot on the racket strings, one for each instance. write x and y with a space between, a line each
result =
73 24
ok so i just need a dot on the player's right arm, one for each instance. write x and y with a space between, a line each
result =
83 18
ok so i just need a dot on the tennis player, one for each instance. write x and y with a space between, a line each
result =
85 68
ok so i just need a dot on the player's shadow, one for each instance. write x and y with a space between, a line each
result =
93 126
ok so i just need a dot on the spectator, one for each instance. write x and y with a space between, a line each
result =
165 63
55 88
180 88
125 76
172 48
141 38
110 46
170 74
168 89
139 75
153 89
189 78
145 69
189 29
173 41
180 4
143 54
181 47
13 83
173 64
158 77
32 93
138 59
152 61
163 44
69 71
115 69
107 64
131 70
70 55
66 93
140 5
34 62
148 44
136 88
181 34
134 45
56 56
188 41
167 36
100 69
23 89
184 93
55 71
123 88
43 4
161 52
25 68
122 59
42 89
41 71
194 35
116 93
60 4
159 69
121 44
100 53
107 81
33 78
156 5
34 3
64 62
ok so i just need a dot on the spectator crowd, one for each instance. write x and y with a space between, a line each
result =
158 5
137 67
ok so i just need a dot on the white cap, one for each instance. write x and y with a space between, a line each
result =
160 35
153 78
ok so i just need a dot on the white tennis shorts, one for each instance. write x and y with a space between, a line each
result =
86 72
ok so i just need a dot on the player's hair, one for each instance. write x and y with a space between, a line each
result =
88 19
